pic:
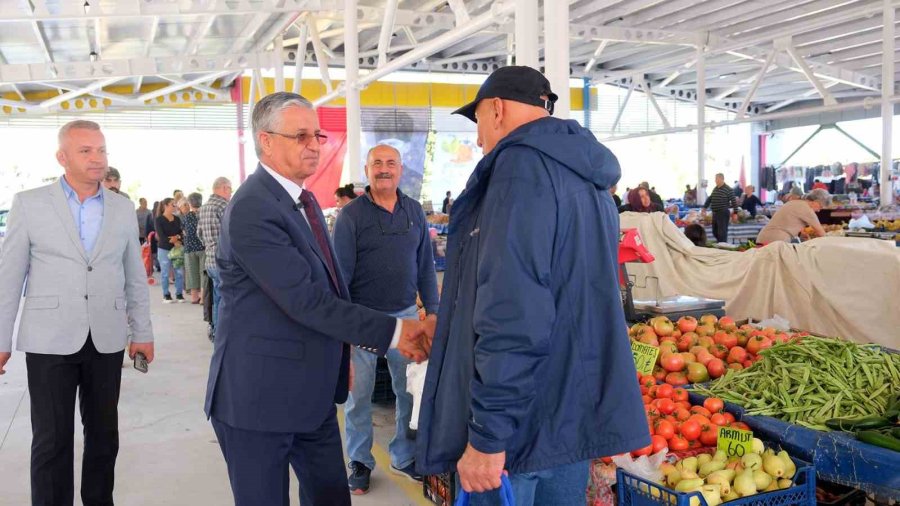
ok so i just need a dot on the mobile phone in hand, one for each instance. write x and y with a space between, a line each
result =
140 362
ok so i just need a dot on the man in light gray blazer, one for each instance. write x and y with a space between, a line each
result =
73 246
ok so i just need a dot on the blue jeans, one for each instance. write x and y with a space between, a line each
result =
217 292
358 409
561 486
164 265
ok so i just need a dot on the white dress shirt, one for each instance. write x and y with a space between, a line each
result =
294 190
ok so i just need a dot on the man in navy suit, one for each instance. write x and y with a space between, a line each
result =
282 347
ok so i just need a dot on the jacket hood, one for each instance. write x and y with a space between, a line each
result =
565 142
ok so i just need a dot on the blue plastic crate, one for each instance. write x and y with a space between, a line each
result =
634 491
838 457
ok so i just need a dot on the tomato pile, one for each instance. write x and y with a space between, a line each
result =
692 351
675 424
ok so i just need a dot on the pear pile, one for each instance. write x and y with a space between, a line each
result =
720 478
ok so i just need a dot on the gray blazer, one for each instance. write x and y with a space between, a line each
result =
67 293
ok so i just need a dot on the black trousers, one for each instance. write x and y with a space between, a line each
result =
258 465
721 219
52 384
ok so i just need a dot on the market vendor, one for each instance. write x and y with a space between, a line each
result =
794 216
750 201
639 202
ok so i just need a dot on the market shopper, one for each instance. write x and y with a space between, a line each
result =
794 216
73 246
193 247
344 195
654 197
616 199
696 234
142 213
170 235
282 350
384 250
639 201
208 229
531 369
113 182
721 201
690 196
750 201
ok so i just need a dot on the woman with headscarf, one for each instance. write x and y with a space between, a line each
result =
639 202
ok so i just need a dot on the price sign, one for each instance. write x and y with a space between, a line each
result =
644 356
735 442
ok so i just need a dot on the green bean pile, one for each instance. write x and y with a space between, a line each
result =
814 380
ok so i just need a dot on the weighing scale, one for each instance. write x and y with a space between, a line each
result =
632 249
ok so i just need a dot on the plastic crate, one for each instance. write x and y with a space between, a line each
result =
383 391
634 491
440 488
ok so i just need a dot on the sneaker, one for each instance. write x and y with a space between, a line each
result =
167 299
359 478
408 472
180 298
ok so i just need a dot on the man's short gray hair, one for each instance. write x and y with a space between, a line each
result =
73 125
819 195
195 199
373 148
267 113
220 182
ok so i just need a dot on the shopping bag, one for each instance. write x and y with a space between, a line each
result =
506 494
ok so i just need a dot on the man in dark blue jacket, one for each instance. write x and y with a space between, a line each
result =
531 369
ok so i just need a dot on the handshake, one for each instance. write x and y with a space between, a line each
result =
415 338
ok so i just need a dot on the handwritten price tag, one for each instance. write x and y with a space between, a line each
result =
735 442
644 357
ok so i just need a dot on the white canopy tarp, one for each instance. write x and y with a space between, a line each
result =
832 286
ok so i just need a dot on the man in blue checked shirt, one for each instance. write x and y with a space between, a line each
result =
384 250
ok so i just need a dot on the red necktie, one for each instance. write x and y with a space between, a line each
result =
311 208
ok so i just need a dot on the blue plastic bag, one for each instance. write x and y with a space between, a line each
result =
506 494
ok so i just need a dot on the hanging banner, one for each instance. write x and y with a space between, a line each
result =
333 122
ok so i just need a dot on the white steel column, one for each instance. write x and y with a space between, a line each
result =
887 108
556 53
278 62
701 121
354 113
527 33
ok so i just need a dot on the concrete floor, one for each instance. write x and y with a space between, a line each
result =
168 452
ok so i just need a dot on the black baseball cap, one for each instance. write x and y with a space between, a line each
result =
516 83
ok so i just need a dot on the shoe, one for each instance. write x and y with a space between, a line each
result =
359 478
408 472
167 299
180 299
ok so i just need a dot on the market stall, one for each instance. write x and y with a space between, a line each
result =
715 389
810 284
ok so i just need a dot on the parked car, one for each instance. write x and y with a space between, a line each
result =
3 214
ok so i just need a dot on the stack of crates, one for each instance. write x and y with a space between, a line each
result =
383 393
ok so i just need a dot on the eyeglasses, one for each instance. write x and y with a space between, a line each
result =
303 139
396 232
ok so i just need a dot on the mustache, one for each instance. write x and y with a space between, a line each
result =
384 176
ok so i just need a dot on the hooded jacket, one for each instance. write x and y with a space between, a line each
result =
531 353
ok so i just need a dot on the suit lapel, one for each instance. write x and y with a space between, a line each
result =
105 223
61 206
282 196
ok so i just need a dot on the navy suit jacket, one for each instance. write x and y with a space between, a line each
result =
282 355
